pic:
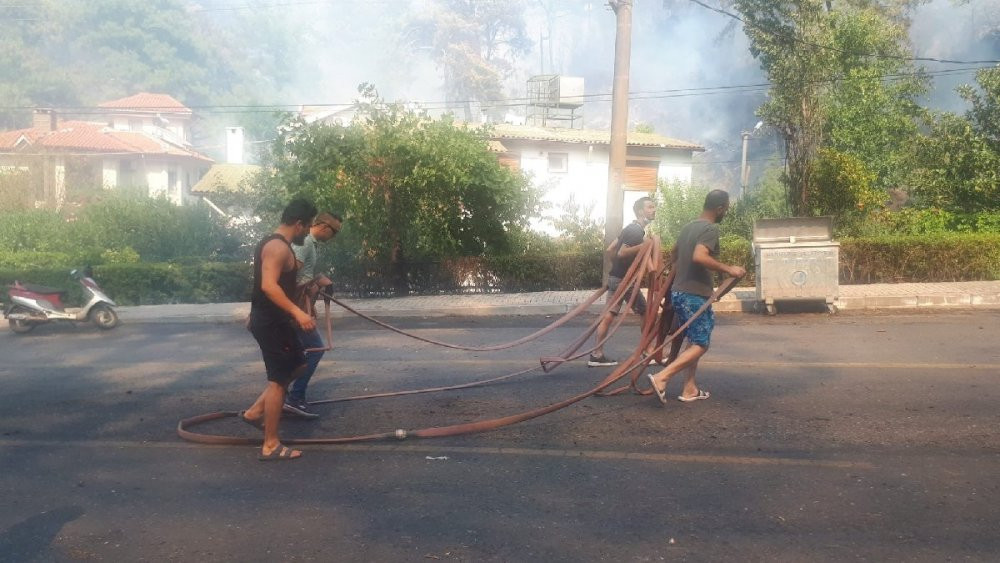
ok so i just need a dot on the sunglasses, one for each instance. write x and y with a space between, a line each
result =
333 230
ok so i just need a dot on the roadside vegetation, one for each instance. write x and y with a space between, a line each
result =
915 193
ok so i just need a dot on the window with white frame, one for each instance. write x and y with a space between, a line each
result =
558 162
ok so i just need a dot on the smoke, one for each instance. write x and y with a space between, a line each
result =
945 29
676 45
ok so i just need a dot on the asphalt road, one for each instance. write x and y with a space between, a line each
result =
855 437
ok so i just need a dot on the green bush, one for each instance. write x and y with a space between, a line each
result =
677 203
936 257
35 259
926 258
737 251
147 284
911 221
115 229
545 273
885 259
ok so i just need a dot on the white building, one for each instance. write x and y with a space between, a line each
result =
574 162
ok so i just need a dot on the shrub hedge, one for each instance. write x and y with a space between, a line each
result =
939 257
930 258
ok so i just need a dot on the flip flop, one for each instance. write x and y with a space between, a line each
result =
702 394
661 394
284 453
258 423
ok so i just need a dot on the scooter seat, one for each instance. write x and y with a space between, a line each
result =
42 289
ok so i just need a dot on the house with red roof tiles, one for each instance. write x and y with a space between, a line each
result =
139 143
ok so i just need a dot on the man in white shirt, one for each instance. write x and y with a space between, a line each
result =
324 227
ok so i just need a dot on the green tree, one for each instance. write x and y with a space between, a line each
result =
844 188
767 200
70 54
829 67
27 75
957 168
873 113
787 37
677 203
984 114
411 189
956 163
578 230
475 43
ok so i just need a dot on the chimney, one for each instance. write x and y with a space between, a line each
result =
234 145
44 119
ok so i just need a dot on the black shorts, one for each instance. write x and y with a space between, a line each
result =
280 347
638 306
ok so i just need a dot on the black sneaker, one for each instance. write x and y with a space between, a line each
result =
298 408
601 361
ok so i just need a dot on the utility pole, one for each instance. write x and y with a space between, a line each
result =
744 173
619 125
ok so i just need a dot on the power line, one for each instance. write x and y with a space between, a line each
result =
278 5
753 88
831 48
737 161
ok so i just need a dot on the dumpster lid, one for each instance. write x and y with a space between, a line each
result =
812 229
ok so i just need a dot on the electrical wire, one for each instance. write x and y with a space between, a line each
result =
835 49
736 89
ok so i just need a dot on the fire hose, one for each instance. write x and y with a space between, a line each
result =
655 335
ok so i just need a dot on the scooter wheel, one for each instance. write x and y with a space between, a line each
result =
104 317
19 326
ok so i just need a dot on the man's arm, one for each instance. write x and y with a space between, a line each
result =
703 257
629 251
273 258
632 239
611 247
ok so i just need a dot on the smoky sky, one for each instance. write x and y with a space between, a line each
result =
675 45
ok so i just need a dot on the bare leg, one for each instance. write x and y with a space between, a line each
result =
602 331
689 357
256 410
690 388
274 398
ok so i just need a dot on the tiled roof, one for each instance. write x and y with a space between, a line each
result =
224 178
148 102
587 136
95 138
9 139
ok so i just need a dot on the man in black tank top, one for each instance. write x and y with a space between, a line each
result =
272 312
626 248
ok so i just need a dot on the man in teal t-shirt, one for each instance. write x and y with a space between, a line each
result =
696 257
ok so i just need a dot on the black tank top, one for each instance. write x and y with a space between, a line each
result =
260 303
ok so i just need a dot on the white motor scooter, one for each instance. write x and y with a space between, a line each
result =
32 305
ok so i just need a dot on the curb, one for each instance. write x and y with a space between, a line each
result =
741 300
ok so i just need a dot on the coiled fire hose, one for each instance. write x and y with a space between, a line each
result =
655 328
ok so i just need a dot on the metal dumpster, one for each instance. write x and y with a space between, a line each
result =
795 259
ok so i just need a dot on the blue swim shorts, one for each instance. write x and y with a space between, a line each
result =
685 305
